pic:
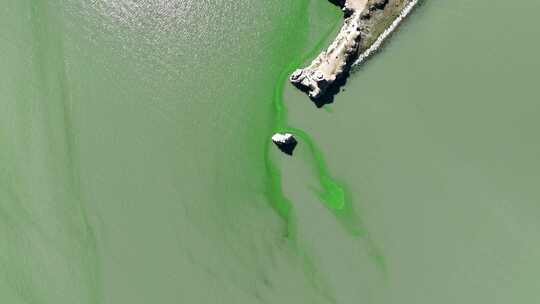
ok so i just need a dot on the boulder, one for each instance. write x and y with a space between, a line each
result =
285 142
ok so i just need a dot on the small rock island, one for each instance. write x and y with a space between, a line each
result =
367 23
285 142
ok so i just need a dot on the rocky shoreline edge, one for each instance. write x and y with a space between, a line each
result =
366 26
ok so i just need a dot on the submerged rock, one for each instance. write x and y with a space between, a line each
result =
285 142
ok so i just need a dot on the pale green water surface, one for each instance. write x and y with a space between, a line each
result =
135 158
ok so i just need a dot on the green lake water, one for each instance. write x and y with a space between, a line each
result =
136 165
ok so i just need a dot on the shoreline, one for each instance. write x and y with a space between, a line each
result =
367 24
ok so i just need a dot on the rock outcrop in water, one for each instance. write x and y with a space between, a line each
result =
285 142
365 22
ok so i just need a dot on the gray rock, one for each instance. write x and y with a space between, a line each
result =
285 142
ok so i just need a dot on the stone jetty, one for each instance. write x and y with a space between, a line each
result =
365 21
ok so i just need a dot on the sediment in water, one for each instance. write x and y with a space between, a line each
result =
367 23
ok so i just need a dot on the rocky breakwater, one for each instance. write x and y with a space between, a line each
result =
365 21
